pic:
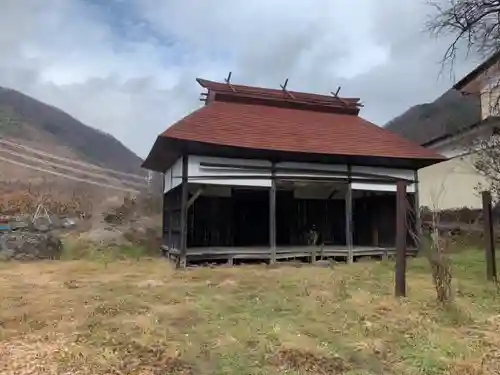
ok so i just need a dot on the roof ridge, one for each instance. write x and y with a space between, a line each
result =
295 107
230 92
206 82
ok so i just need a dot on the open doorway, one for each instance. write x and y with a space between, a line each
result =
250 219
303 207
374 219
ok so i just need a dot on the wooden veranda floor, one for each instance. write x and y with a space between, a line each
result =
282 252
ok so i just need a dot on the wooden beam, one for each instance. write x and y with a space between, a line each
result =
374 217
491 268
418 219
170 221
332 194
324 178
168 214
375 232
348 218
401 231
182 260
163 207
272 217
195 196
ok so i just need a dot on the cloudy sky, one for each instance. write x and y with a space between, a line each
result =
128 67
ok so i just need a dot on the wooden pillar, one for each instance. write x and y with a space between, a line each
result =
166 217
489 237
182 260
375 233
272 216
418 219
374 218
170 223
348 218
401 231
163 206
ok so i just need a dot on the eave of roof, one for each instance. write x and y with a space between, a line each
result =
166 151
492 120
493 59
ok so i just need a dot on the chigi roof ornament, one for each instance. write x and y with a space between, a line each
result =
283 87
228 81
282 96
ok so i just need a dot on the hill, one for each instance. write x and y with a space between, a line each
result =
48 128
447 114
47 155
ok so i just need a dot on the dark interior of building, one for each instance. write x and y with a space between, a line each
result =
241 219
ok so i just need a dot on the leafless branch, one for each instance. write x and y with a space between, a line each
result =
473 22
475 25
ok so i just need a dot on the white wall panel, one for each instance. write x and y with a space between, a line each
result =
199 173
379 187
224 169
406 174
315 168
177 173
167 176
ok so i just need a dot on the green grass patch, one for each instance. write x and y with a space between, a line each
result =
84 250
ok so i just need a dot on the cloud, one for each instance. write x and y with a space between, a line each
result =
128 67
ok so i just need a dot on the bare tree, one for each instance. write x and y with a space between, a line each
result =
487 163
474 25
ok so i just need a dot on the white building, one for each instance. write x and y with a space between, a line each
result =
453 184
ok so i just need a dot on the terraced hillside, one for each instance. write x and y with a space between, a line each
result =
44 151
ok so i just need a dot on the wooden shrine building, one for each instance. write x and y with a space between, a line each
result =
267 174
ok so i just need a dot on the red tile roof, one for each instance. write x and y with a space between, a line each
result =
254 121
267 127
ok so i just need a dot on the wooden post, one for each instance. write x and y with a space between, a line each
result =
418 219
489 237
163 206
348 222
166 217
401 230
375 233
314 254
170 223
166 224
272 216
195 196
182 260
374 219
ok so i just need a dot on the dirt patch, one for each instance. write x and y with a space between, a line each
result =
309 362
490 363
177 316
227 282
150 283
121 307
32 355
136 358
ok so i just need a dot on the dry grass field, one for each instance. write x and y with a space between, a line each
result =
144 317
